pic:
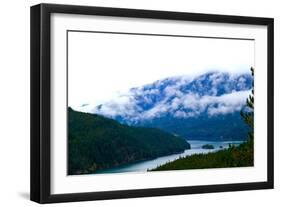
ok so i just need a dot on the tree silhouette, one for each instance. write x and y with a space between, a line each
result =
248 113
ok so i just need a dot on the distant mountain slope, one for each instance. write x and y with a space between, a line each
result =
216 128
204 107
96 142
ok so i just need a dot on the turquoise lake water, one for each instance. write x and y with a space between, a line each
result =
196 148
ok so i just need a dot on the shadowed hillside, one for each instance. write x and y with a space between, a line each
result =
96 142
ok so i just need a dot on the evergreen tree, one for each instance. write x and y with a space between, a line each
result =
248 113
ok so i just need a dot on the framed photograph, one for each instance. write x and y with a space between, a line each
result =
133 103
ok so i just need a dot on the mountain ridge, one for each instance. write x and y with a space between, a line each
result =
213 97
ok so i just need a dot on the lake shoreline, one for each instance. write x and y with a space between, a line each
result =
146 165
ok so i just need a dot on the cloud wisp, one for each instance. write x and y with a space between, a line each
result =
210 94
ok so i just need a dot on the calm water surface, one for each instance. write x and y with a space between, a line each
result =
196 148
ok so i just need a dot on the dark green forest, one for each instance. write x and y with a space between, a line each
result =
240 156
205 127
96 143
208 146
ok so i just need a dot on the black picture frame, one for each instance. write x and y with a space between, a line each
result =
41 95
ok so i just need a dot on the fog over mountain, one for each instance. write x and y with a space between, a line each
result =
183 105
213 93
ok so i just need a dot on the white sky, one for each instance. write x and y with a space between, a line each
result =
101 66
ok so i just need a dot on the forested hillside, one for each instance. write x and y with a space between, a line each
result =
241 156
96 142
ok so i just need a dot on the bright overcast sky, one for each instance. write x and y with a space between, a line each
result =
103 65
